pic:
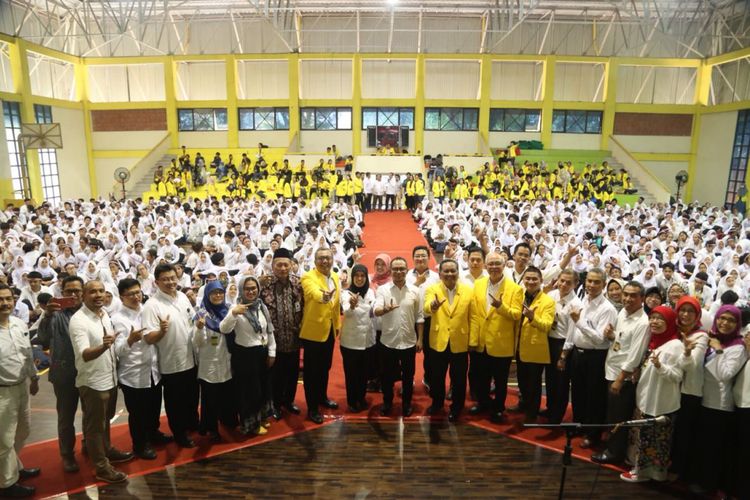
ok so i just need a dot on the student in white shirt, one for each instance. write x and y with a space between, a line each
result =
357 335
214 368
137 372
253 355
93 336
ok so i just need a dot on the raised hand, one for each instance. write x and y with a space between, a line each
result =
435 304
353 300
389 307
529 313
655 359
497 301
163 324
327 295
135 335
609 331
575 315
239 309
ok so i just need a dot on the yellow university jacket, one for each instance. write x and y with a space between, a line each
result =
451 322
495 329
318 317
533 346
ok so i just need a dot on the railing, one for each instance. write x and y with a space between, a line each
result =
652 183
145 165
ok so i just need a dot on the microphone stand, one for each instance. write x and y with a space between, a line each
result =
571 429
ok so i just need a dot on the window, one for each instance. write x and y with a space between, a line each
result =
19 174
740 154
387 117
577 122
200 120
264 118
48 159
451 118
515 120
326 118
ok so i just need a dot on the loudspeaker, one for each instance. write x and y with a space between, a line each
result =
372 137
404 143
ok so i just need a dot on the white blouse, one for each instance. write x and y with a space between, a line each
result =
358 329
658 389
692 380
742 388
719 373
214 360
245 334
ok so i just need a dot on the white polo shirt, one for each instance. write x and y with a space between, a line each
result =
175 348
87 329
397 326
137 365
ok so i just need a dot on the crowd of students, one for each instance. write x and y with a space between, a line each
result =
631 310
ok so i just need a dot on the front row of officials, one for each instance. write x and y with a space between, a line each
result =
146 348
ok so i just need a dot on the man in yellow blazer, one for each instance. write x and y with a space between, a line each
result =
448 303
533 346
321 323
495 313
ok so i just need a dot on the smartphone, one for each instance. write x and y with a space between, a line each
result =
63 302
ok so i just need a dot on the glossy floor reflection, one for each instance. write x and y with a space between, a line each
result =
382 460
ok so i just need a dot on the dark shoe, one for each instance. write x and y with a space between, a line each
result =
29 473
17 491
214 437
476 410
453 416
70 465
185 442
293 408
449 396
276 414
407 411
161 438
331 404
146 453
544 413
362 405
112 476
385 410
116 456
497 417
604 458
588 443
434 410
315 416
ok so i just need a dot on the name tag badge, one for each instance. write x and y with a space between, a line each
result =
297 307
214 340
616 346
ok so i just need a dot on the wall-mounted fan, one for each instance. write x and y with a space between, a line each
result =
122 175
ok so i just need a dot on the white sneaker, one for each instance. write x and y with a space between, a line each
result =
633 477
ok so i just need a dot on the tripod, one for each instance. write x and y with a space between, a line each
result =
571 428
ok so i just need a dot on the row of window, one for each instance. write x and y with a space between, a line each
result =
501 120
740 157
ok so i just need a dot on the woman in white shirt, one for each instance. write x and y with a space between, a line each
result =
252 356
724 359
657 394
357 335
742 402
214 370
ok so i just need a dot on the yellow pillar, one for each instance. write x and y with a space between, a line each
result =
233 121
485 89
702 86
357 104
611 69
419 107
171 101
22 81
548 99
82 94
294 125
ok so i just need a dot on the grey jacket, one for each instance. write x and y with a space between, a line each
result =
53 335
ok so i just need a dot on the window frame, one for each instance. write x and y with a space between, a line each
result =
443 122
273 109
568 115
527 118
337 110
215 114
740 160
400 110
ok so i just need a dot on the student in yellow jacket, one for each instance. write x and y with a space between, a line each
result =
495 312
321 324
449 304
533 347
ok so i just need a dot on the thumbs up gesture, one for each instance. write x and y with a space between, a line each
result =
163 324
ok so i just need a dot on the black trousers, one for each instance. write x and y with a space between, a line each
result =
390 201
359 199
473 380
458 363
318 358
284 378
181 401
426 349
589 388
214 401
398 363
686 430
713 467
530 385
144 410
250 371
66 403
355 374
557 382
620 407
489 368
742 478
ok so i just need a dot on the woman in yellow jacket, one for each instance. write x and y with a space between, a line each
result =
461 191
538 314
438 188
341 188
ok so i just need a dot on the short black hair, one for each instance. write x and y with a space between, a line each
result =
127 283
668 265
161 269
523 244
70 279
420 247
34 275
533 269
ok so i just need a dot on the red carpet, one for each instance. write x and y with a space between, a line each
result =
393 232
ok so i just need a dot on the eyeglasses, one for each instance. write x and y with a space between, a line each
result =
73 292
132 294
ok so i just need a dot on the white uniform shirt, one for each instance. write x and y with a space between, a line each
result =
86 330
358 327
742 388
718 377
137 365
658 389
595 316
214 360
630 343
692 380
245 334
16 353
175 348
563 326
397 327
